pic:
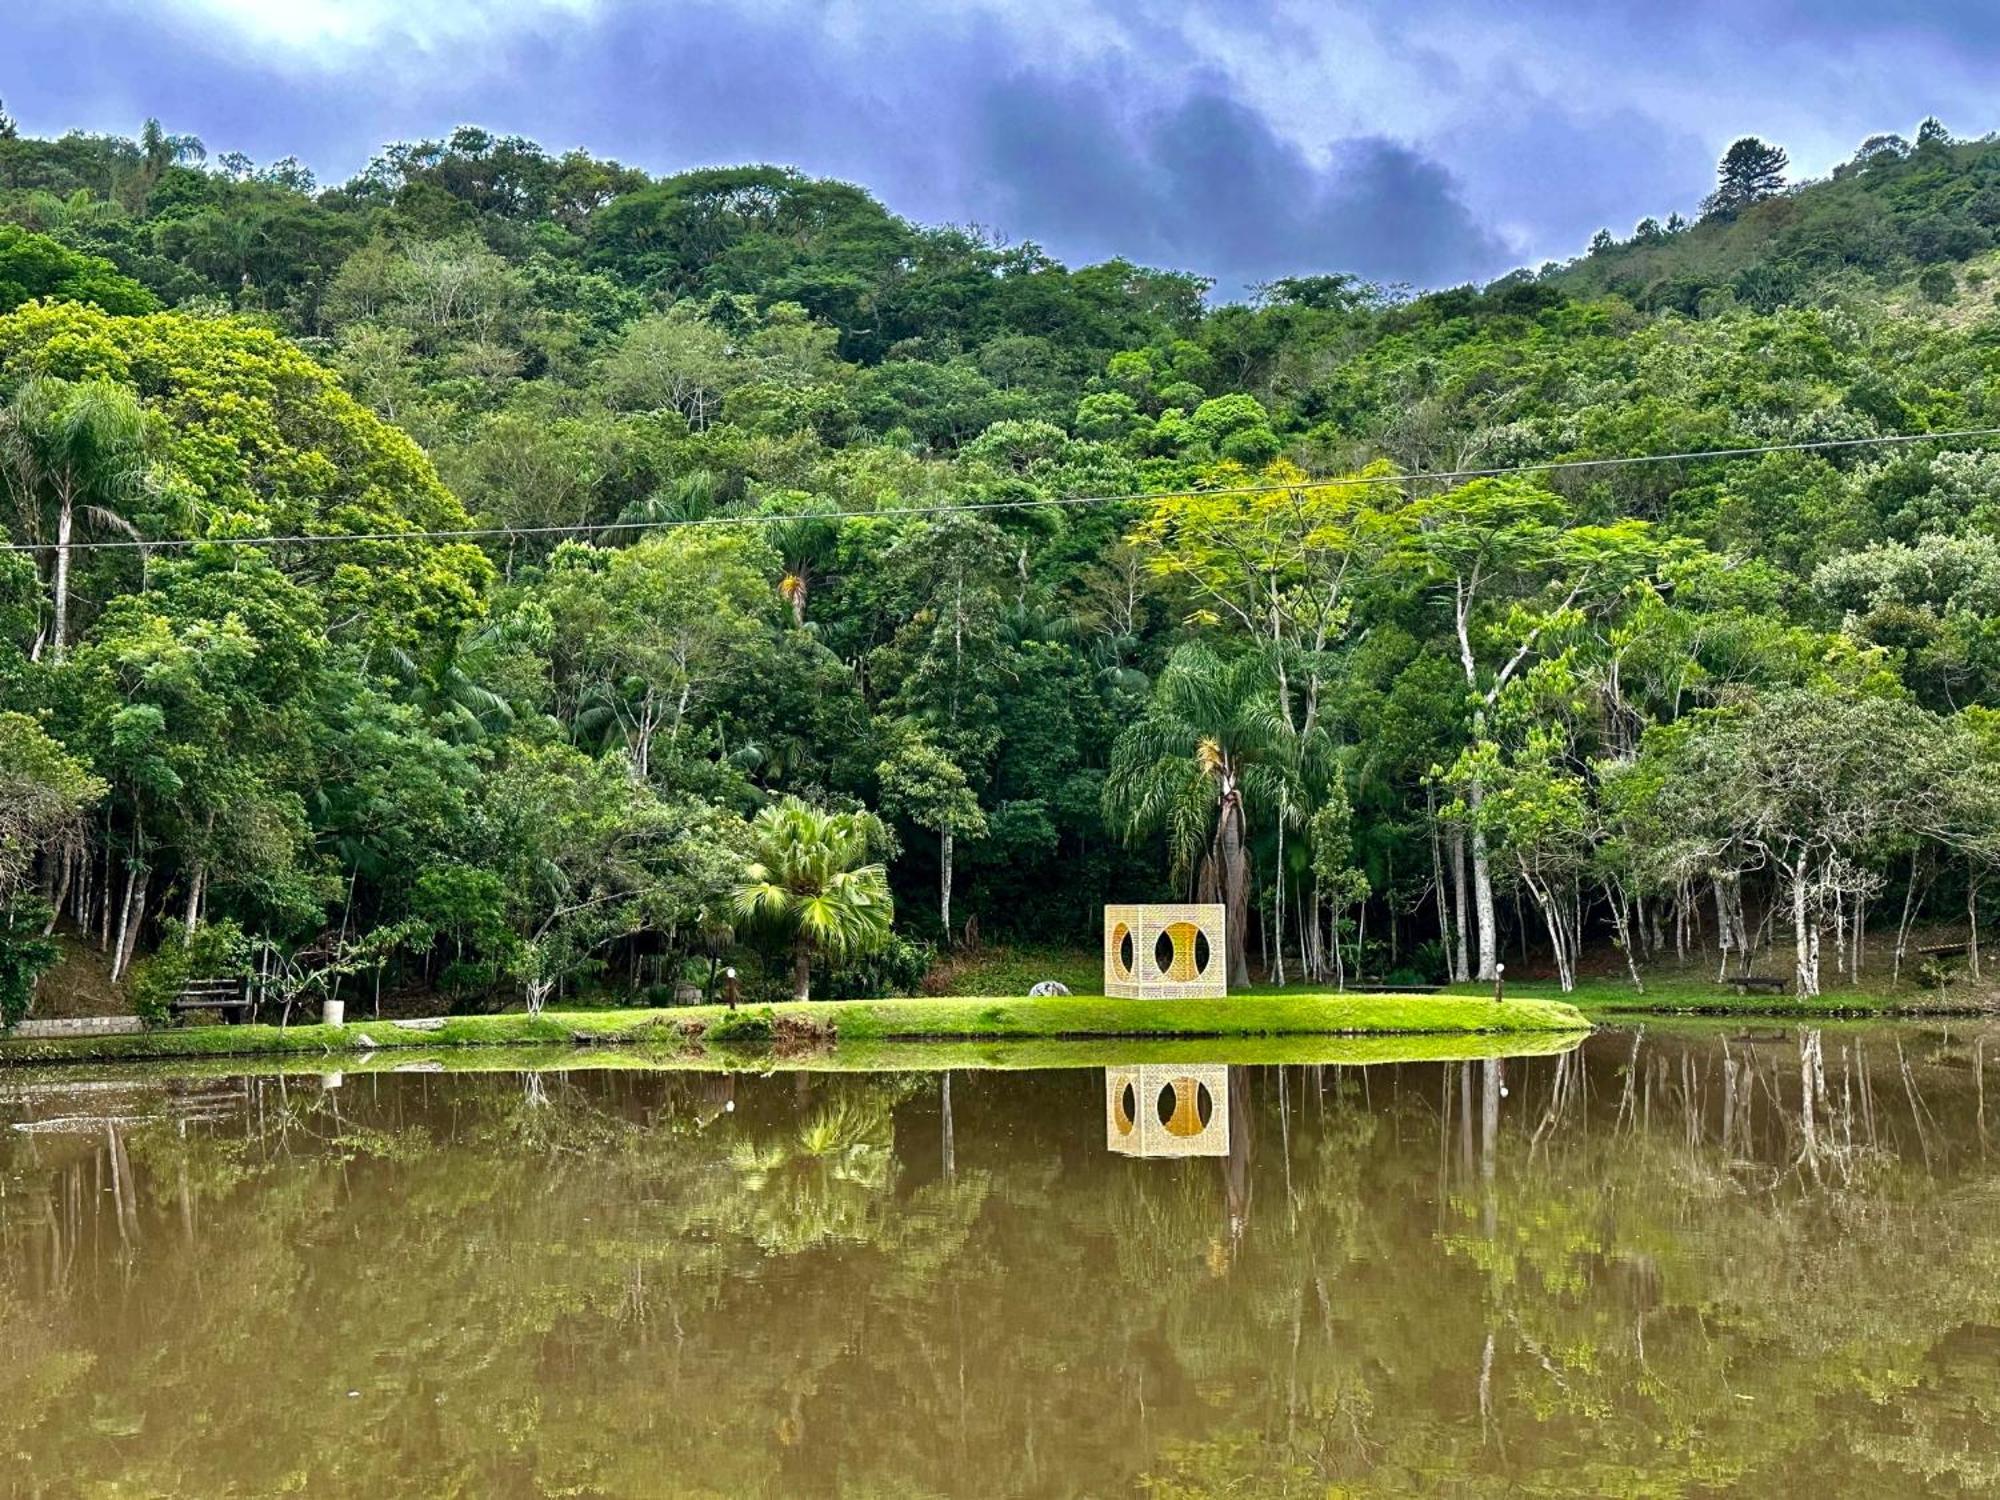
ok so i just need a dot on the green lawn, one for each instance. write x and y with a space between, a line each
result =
1012 970
855 1022
1686 994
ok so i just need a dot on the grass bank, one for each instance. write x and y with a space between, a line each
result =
849 1023
1684 995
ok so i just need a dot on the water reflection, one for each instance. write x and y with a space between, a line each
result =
1664 1264
1171 1109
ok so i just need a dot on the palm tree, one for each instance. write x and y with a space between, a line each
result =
811 880
70 449
445 684
162 150
1211 737
806 533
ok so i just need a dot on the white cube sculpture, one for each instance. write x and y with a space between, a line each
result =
1164 952
1167 1110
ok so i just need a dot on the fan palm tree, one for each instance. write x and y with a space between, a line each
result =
810 878
445 684
1211 738
71 449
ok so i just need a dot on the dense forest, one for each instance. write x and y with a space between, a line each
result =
506 574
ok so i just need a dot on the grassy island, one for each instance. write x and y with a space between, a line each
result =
818 1025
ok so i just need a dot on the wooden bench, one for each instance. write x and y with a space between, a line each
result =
1944 950
221 995
1763 984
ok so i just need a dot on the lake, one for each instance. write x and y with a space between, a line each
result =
1677 1261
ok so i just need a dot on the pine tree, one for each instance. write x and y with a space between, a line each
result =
1750 171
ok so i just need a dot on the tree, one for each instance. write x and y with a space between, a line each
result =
1280 559
35 266
1210 738
69 450
1515 577
810 879
1336 880
161 150
806 536
675 361
1817 786
44 792
946 664
257 439
1537 810
589 856
1749 172
922 785
646 637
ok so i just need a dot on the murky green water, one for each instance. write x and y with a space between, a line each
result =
1677 1264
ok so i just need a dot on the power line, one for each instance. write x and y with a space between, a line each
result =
1057 502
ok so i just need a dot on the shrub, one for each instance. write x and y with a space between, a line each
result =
25 955
216 950
897 969
752 1026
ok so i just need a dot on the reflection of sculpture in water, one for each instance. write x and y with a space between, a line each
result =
1173 1109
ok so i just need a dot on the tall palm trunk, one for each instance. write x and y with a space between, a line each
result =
802 969
65 525
1234 873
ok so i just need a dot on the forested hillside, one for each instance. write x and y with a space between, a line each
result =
1051 585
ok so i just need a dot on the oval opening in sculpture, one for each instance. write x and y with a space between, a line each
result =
1184 1107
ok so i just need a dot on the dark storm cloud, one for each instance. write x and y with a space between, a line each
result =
1206 183
1421 140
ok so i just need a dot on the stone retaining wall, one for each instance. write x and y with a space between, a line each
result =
35 1031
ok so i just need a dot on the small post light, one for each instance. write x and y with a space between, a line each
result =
1499 982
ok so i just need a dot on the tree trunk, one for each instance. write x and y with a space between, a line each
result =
104 906
1803 943
944 883
1276 972
1482 890
65 523
1549 898
802 971
1972 927
1911 900
197 882
1461 952
1437 880
128 941
1725 933
124 913
1235 881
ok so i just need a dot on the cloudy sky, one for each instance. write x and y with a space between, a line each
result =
1427 141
